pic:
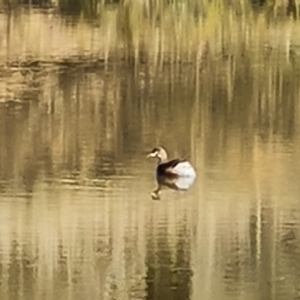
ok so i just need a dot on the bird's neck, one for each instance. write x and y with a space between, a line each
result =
161 160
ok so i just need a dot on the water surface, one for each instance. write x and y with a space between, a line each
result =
77 220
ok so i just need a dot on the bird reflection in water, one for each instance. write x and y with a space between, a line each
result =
174 183
176 174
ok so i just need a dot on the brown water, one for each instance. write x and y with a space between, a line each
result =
77 220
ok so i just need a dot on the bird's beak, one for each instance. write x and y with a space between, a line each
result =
152 154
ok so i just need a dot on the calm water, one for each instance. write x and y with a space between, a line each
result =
77 220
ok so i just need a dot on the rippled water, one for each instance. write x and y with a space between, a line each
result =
77 220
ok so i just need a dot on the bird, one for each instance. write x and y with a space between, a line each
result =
172 168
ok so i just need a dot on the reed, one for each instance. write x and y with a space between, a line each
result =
151 31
